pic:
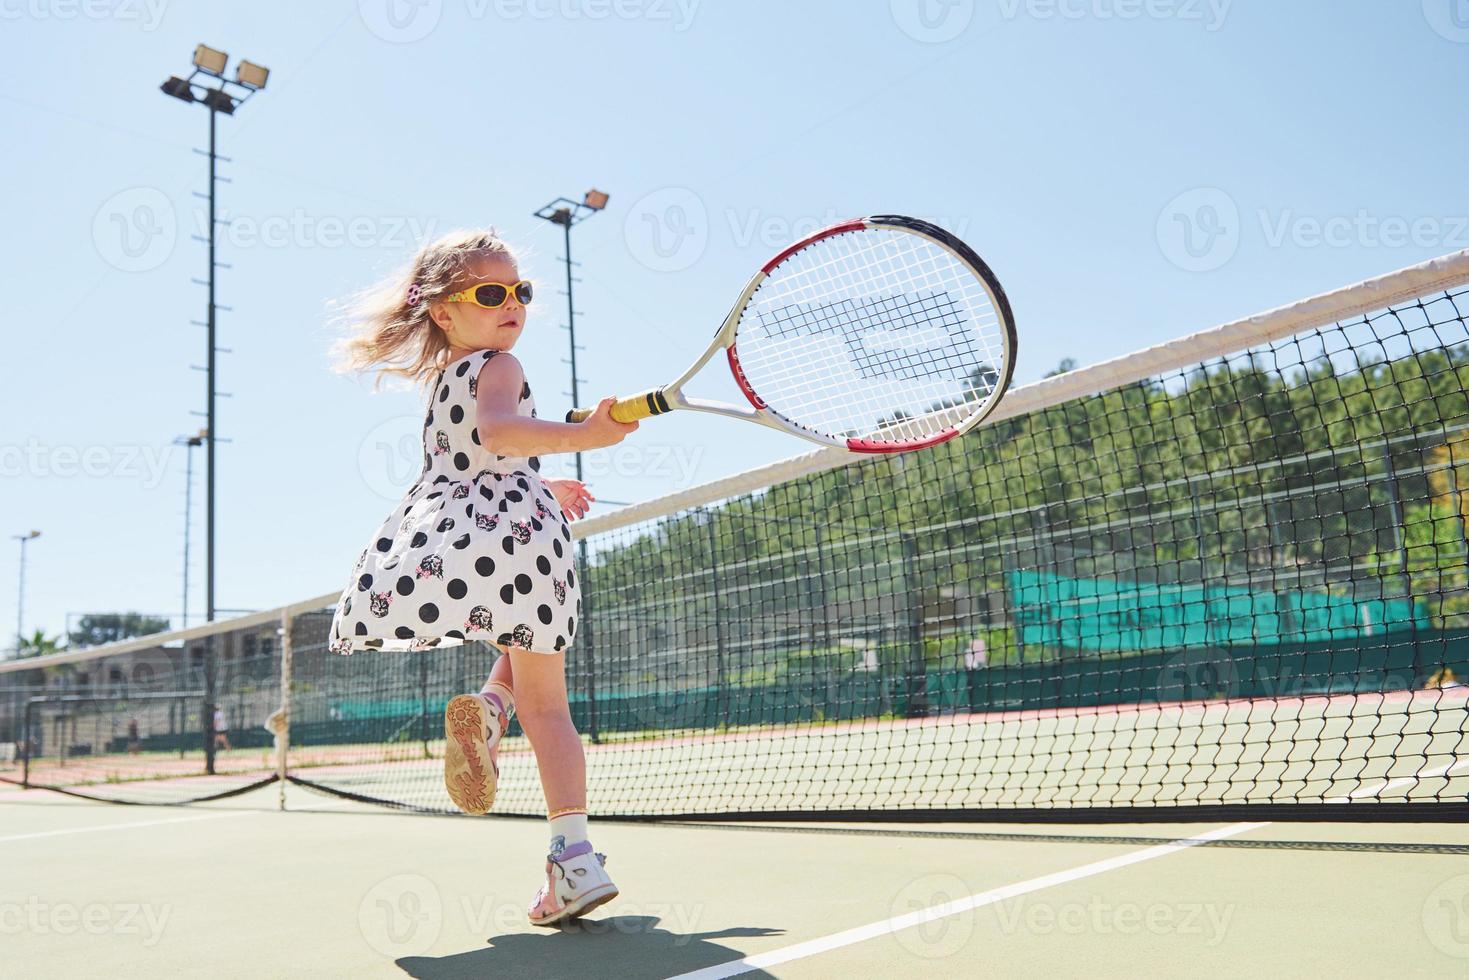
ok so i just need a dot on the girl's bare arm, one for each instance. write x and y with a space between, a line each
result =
505 433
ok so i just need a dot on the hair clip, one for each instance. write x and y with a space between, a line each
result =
415 293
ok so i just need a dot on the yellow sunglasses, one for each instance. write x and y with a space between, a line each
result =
492 295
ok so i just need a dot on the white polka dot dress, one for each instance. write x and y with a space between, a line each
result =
478 548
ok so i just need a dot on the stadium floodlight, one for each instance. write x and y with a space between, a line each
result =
595 199
251 75
210 61
219 101
178 88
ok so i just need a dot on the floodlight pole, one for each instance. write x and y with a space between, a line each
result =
20 602
571 327
210 428
218 97
566 212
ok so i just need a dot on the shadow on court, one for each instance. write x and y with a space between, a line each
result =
624 945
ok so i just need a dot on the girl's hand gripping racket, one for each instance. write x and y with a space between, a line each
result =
880 335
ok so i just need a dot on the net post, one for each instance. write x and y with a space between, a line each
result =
282 727
423 704
1400 536
589 647
916 670
722 697
25 744
209 704
826 659
206 728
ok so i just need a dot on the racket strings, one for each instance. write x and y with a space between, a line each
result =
878 334
827 391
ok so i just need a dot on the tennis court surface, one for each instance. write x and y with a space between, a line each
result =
340 888
1159 671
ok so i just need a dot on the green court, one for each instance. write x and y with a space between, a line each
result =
237 889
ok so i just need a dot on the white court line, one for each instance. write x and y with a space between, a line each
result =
126 826
1401 782
873 930
323 806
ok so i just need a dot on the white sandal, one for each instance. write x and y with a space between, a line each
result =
576 883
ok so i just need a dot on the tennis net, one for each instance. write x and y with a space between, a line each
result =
1228 575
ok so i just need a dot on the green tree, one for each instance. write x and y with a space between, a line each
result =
95 629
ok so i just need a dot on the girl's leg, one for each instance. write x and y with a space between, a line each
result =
576 881
500 685
501 673
541 704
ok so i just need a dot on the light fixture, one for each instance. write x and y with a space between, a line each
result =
595 199
251 75
208 60
178 88
219 101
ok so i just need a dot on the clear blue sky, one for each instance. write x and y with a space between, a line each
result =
1133 169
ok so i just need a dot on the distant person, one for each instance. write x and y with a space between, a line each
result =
133 736
221 730
1444 677
479 548
977 655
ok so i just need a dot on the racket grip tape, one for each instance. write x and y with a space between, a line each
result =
630 409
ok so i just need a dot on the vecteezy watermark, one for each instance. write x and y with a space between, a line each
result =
1209 13
941 931
147 14
672 466
404 915
42 918
1199 230
1446 917
135 229
141 462
401 915
391 454
1197 674
300 229
1448 18
932 21
1363 230
759 227
1204 921
489 916
668 229
400 21
406 21
679 14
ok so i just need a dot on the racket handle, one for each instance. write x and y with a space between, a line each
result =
630 409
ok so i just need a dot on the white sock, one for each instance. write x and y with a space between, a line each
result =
567 829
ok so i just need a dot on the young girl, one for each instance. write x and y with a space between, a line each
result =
479 548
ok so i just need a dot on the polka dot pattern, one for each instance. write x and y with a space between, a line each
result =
474 550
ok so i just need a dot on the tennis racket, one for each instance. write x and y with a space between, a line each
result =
878 335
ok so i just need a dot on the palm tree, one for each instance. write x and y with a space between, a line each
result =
38 644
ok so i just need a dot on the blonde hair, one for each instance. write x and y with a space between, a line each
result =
387 331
